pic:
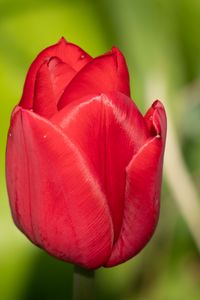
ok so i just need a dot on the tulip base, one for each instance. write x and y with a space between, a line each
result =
83 284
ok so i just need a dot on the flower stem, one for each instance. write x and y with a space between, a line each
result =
83 284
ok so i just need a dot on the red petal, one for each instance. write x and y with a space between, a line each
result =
67 52
156 119
109 129
54 195
103 74
143 184
18 186
51 80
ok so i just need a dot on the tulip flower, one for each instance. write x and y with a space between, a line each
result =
83 165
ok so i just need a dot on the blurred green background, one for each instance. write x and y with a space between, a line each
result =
161 42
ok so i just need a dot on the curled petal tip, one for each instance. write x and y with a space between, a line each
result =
159 119
157 104
52 60
116 52
114 49
62 40
156 119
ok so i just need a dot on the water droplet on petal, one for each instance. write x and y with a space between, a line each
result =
158 136
44 136
10 134
82 56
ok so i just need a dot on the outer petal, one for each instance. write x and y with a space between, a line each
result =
142 196
67 52
55 199
109 129
103 74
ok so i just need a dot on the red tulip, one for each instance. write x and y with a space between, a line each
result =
84 166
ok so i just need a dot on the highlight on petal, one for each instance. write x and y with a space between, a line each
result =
69 53
109 129
142 194
103 74
55 197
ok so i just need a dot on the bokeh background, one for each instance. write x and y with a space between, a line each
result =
161 42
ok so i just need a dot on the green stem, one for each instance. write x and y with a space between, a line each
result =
83 285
